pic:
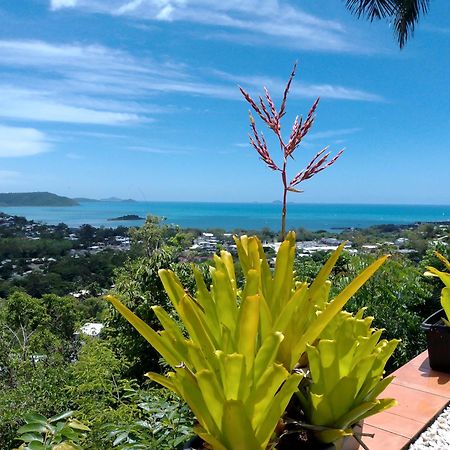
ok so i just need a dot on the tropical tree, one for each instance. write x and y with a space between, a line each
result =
404 14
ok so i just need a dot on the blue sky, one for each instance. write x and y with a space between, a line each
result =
139 98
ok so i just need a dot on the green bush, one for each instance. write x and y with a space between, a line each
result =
164 423
59 432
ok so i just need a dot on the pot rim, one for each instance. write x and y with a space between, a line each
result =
434 322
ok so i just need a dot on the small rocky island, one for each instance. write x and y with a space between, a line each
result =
127 217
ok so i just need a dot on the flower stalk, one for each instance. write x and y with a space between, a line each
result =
265 108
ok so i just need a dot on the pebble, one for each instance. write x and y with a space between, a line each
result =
437 436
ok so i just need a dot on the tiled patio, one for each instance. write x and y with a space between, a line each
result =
421 393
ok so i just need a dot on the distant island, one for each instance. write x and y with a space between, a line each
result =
128 217
85 200
109 199
35 199
116 199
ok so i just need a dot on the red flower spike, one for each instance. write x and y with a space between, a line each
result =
268 113
271 104
286 92
268 119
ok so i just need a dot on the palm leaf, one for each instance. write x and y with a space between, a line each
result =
372 9
406 17
405 14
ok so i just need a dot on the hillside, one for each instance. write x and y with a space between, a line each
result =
35 199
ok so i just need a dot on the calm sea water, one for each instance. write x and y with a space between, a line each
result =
230 216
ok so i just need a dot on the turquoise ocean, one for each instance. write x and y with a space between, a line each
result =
230 216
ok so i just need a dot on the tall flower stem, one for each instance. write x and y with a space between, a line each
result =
284 210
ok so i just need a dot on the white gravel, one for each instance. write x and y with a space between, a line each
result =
437 436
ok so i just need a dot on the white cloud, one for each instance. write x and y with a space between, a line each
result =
59 4
92 84
270 22
336 92
242 145
300 89
129 7
19 142
91 134
333 133
41 106
166 13
158 150
89 76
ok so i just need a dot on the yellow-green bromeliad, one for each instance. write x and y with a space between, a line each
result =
236 352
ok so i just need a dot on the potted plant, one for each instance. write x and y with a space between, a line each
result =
437 326
237 358
345 377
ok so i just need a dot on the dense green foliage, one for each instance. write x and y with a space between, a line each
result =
36 345
162 423
37 351
62 275
26 248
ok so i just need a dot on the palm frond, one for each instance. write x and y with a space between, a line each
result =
407 15
372 9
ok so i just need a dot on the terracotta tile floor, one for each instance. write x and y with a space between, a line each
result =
421 393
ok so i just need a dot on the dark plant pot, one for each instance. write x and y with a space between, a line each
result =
307 441
195 443
348 443
438 337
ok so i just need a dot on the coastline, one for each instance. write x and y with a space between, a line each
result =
237 217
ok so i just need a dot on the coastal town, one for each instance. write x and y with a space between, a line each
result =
87 240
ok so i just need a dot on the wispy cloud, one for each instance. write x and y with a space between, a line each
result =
97 85
272 22
92 84
20 142
158 150
333 133
242 144
42 106
302 89
91 134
